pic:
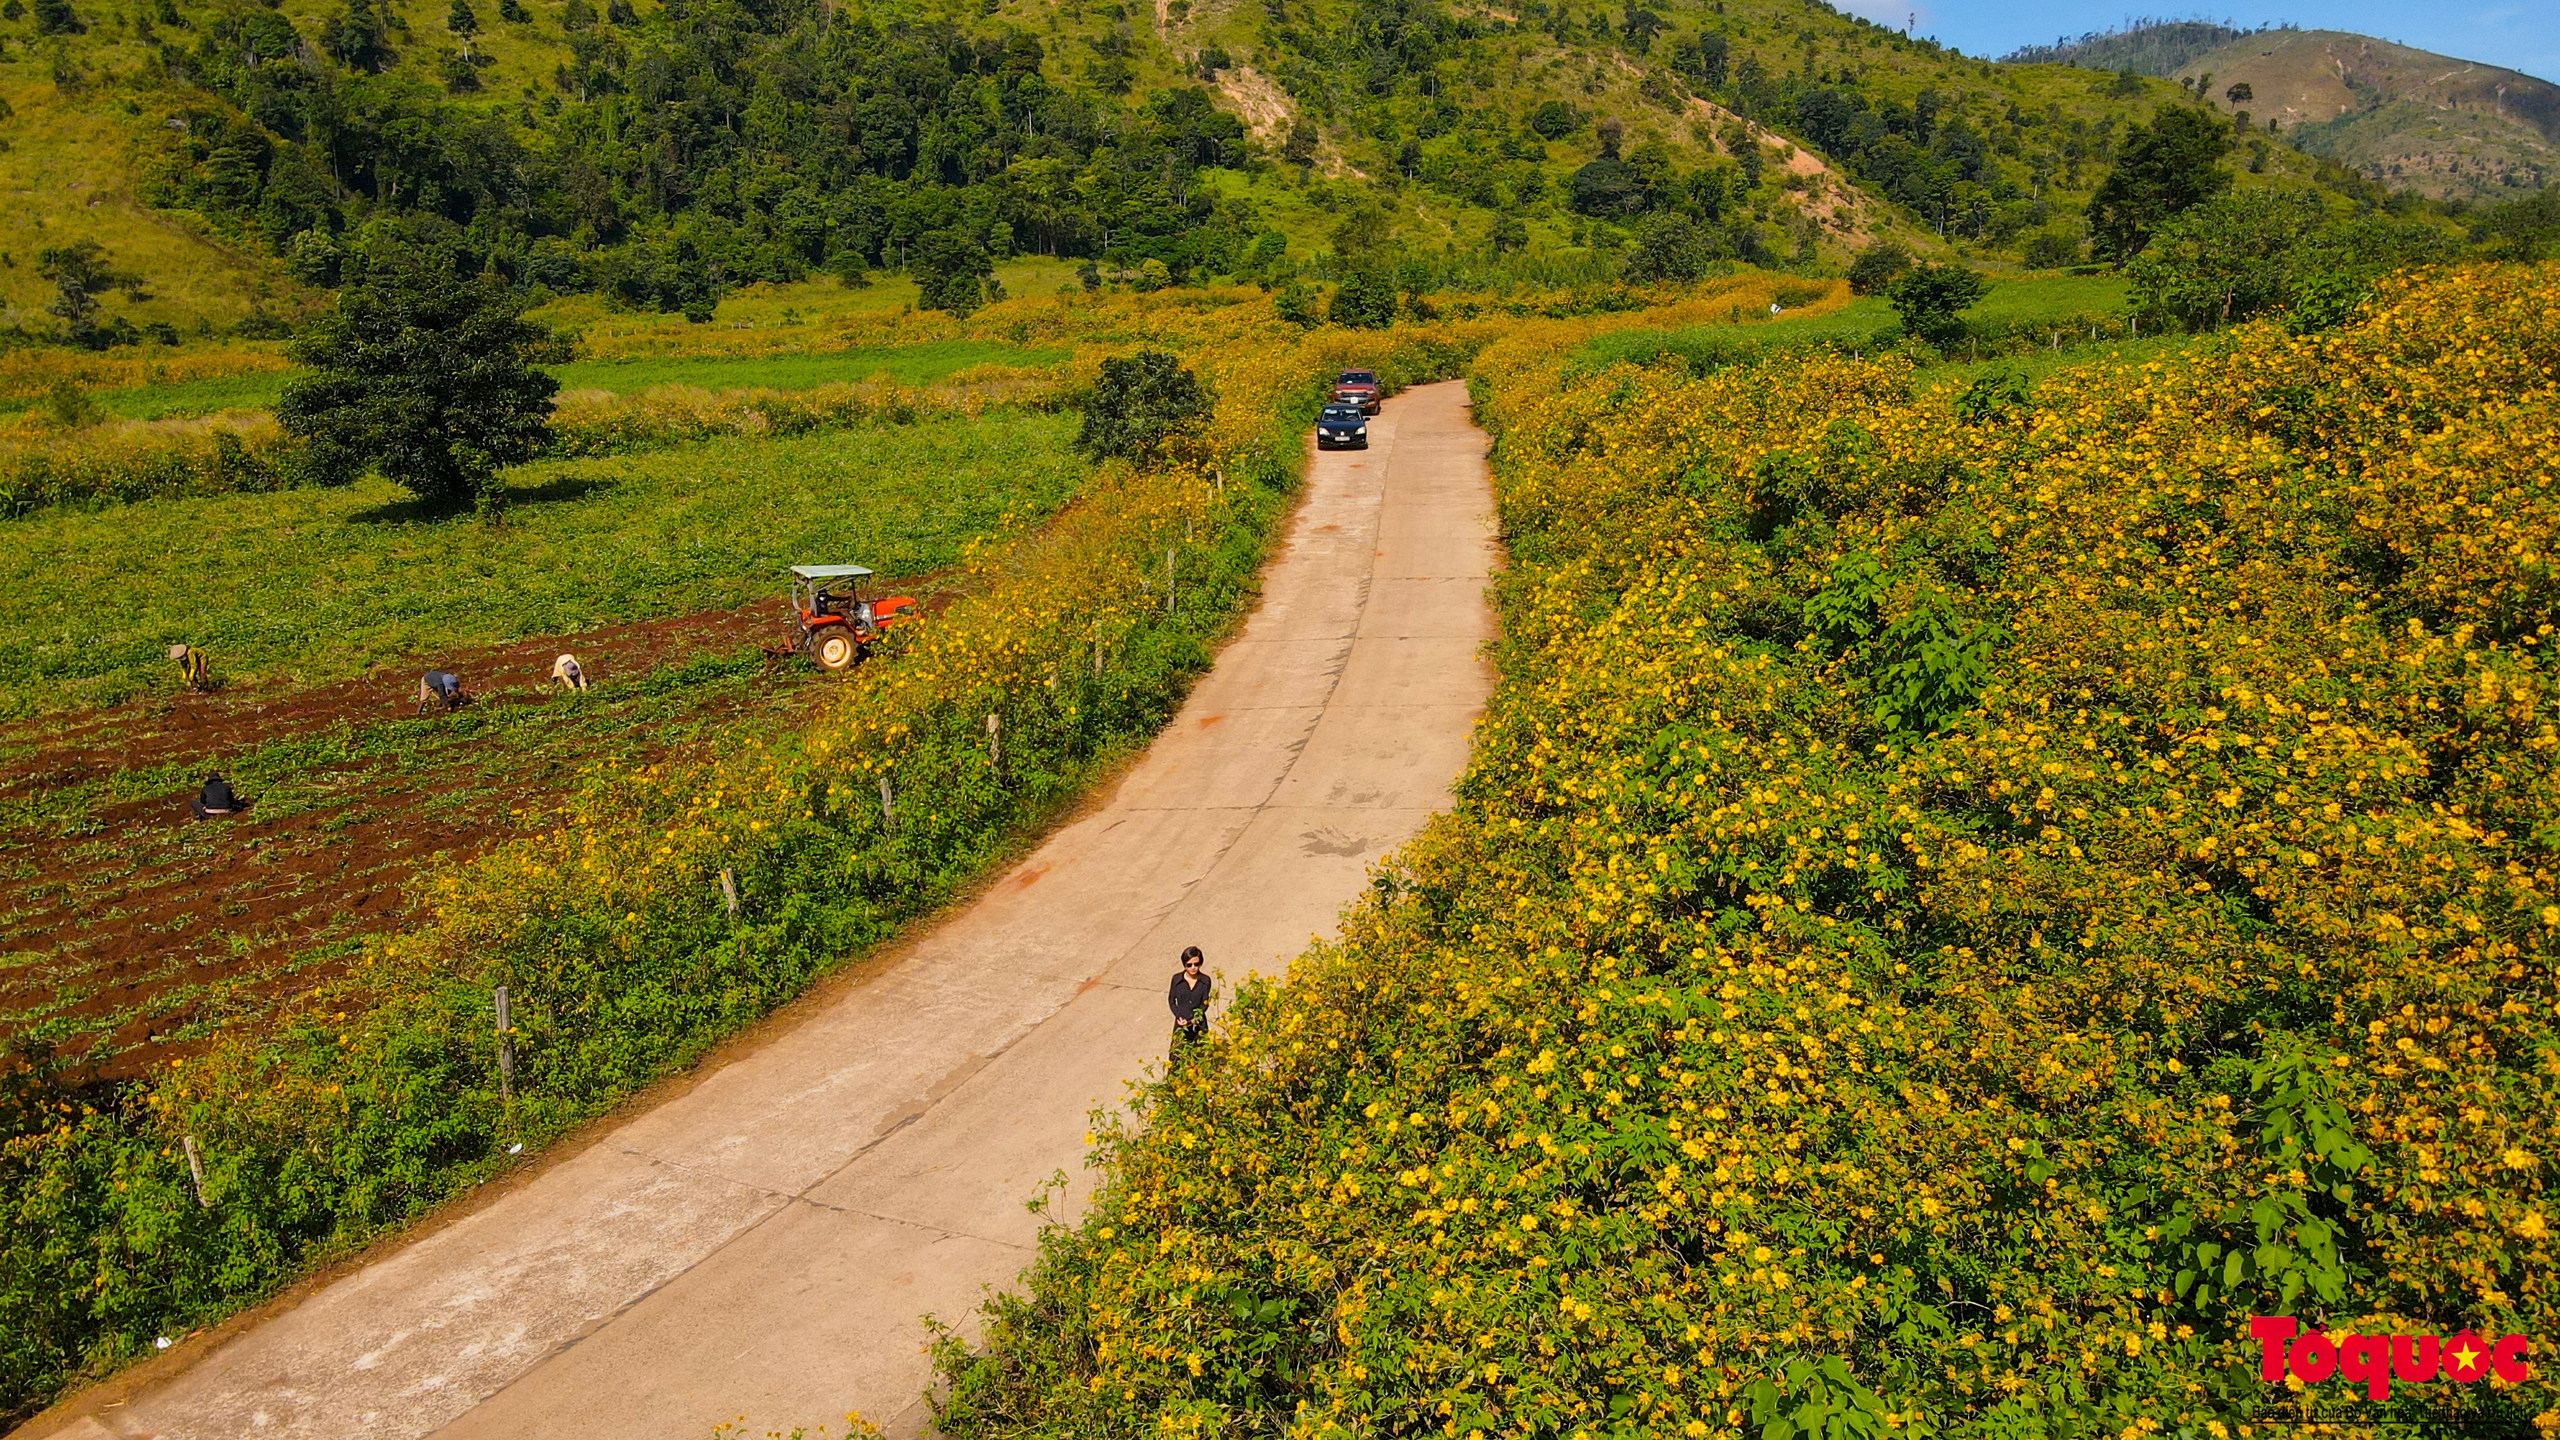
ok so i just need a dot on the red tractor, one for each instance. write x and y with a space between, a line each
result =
832 622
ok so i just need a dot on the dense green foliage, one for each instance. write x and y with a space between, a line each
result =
715 144
1929 297
1142 403
2246 253
424 371
2165 169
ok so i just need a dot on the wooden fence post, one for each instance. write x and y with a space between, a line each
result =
506 1047
195 1169
888 815
729 889
995 741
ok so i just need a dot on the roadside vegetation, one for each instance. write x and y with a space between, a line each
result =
1966 893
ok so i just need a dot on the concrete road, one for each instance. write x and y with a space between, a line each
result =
765 1244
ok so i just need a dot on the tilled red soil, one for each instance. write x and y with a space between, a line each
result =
177 726
139 930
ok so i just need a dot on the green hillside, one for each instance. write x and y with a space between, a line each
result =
663 152
2412 120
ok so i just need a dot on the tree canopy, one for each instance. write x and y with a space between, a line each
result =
80 273
2166 168
424 369
1141 403
1929 297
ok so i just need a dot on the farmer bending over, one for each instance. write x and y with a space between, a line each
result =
440 687
566 671
193 670
216 799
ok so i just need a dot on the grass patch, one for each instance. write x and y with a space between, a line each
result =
906 364
2009 317
307 586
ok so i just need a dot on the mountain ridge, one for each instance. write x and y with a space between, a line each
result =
2410 119
662 150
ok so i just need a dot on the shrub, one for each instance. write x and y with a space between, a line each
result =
1366 301
1877 266
1142 403
1296 304
1928 297
2050 249
121 463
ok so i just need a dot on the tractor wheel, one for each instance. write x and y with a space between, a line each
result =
836 650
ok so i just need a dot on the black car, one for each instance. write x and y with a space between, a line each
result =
1342 427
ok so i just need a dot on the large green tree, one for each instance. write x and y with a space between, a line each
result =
425 369
953 272
1928 297
2224 260
1142 403
2165 169
1671 247
1366 299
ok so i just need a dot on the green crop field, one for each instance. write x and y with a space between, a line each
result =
308 586
2016 310
125 931
906 364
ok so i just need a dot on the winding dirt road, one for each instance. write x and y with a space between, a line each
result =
764 1244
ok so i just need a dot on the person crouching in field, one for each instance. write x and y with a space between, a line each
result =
216 800
565 670
194 671
441 687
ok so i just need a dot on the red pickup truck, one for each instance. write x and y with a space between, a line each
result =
1357 387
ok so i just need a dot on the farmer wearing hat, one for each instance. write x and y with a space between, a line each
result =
193 670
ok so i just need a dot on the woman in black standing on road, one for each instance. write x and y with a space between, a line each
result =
1189 1000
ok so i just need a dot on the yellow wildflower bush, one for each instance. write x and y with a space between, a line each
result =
139 459
31 371
1964 896
596 422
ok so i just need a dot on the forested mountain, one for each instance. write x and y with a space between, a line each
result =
2158 48
2408 119
661 150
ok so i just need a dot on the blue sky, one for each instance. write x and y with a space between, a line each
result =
2519 34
